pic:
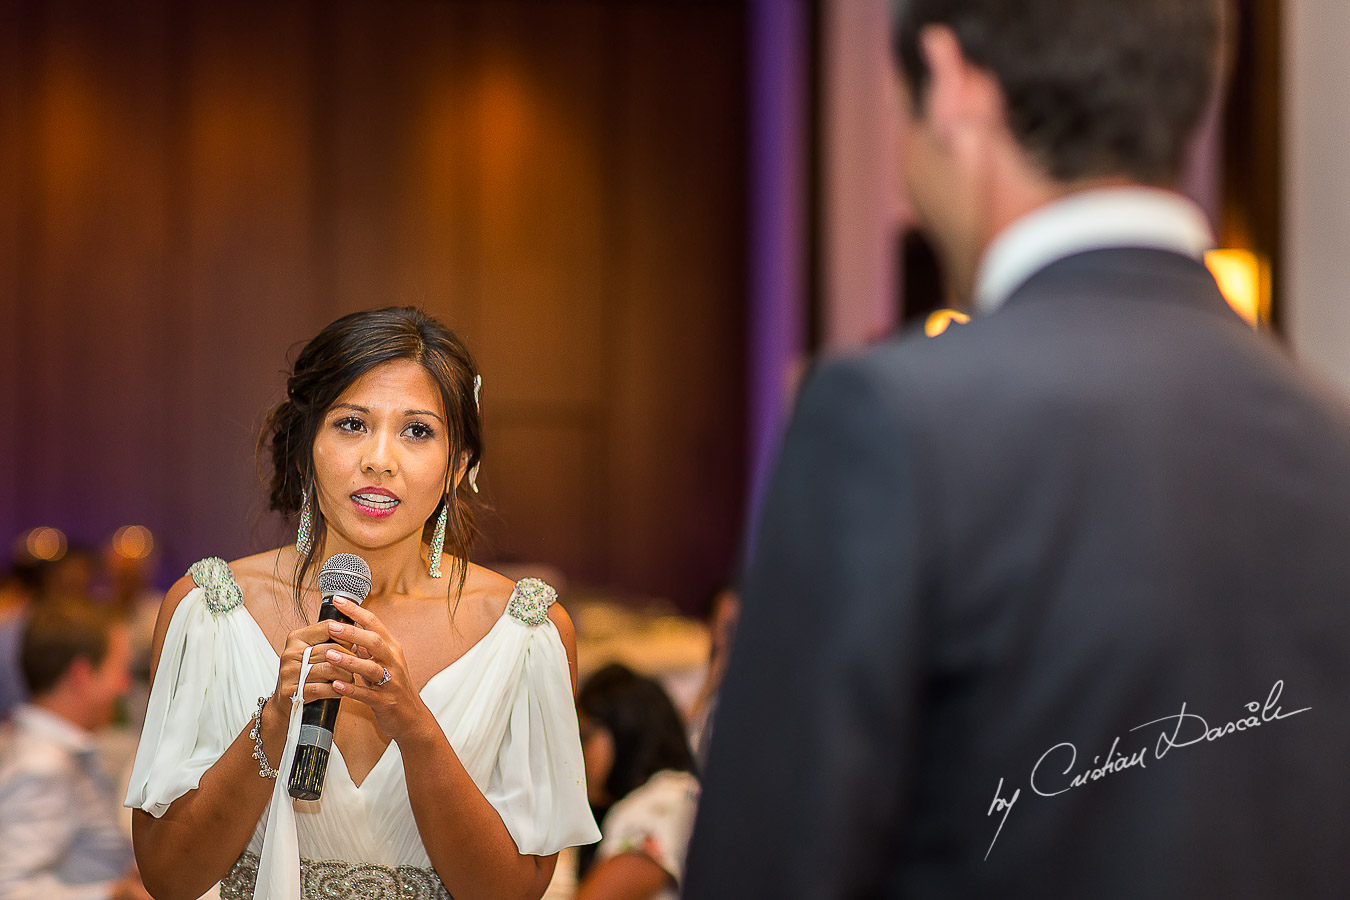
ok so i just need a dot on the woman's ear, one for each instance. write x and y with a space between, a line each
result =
461 469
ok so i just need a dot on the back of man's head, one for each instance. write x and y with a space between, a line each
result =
1093 88
56 639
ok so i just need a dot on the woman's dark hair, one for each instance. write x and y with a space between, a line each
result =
648 733
1093 89
337 356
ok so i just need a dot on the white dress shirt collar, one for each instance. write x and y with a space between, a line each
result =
38 721
1088 220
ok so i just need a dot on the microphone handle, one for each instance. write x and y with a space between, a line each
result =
316 731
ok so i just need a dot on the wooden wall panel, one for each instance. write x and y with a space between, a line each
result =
248 280
393 154
538 133
679 414
13 446
539 126
95 250
542 485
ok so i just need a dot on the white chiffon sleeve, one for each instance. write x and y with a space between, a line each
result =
538 785
211 671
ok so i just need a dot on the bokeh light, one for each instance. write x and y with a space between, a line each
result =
133 542
44 543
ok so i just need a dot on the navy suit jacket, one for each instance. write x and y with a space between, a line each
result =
1056 604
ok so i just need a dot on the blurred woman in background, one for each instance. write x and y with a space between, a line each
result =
640 779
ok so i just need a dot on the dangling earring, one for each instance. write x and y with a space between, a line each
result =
304 535
438 541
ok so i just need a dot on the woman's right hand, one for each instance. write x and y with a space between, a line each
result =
321 674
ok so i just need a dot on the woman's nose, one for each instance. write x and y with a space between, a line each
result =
378 456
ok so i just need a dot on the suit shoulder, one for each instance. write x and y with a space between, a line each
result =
907 377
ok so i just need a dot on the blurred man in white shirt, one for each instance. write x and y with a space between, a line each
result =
59 833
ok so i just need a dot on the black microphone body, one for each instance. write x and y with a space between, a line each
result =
316 729
347 576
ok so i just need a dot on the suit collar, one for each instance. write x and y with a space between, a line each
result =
1088 220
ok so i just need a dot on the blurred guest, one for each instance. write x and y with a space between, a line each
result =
59 832
70 578
1018 587
640 780
19 588
722 620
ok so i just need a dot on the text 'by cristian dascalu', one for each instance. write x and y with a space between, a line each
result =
1050 776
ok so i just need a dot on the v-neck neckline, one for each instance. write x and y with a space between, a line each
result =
262 636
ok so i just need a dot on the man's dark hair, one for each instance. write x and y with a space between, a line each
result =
1094 88
55 638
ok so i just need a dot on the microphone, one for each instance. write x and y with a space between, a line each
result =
343 575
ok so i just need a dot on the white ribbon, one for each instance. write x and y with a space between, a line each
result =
279 865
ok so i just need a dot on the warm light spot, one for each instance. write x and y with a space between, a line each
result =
69 132
940 320
133 542
46 544
509 124
1244 280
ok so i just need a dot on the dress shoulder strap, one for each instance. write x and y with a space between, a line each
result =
220 591
530 601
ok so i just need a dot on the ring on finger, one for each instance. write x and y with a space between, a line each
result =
385 680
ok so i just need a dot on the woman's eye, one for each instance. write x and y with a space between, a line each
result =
419 431
351 424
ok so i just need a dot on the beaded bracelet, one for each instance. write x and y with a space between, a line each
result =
264 770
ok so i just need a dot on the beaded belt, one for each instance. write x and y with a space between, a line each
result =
333 879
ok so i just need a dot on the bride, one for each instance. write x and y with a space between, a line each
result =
456 765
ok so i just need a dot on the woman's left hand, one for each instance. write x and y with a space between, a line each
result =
369 652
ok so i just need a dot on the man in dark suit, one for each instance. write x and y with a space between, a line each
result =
1056 604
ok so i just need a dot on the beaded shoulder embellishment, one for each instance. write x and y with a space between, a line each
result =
216 580
530 601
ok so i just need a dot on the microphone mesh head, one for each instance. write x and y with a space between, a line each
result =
347 574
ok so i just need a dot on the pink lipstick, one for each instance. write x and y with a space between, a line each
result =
375 502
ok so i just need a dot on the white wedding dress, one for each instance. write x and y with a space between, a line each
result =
506 706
